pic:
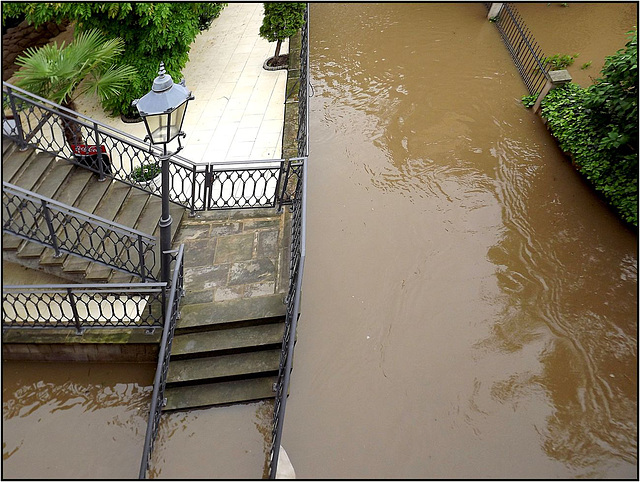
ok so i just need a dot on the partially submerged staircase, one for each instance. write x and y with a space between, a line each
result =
230 354
72 185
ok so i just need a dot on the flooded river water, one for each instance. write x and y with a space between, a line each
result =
469 305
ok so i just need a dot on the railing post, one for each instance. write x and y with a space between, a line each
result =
143 273
22 143
556 79
494 10
101 176
192 212
52 232
74 309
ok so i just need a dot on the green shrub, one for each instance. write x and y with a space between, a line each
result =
560 61
612 173
145 172
281 21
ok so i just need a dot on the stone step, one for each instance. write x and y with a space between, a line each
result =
209 316
8 146
128 215
84 192
12 162
107 209
229 341
226 366
224 393
33 172
54 178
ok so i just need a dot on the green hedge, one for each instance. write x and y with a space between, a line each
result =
598 126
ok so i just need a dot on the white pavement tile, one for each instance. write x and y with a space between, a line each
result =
239 107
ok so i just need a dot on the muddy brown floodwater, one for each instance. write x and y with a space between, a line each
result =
74 420
593 30
469 306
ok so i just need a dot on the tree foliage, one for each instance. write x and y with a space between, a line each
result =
598 126
62 73
152 32
281 21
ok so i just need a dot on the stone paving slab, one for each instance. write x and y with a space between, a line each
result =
233 255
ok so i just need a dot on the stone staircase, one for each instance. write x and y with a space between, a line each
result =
72 185
229 354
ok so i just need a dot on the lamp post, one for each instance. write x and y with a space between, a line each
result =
162 111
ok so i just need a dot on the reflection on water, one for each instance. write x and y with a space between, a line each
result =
71 420
470 306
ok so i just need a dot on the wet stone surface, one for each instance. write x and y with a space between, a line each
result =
233 254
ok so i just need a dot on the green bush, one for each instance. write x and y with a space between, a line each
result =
281 21
152 32
560 61
598 126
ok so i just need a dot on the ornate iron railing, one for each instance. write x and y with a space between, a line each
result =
298 223
68 230
526 54
131 305
111 153
157 399
298 201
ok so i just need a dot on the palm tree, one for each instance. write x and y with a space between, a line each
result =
62 74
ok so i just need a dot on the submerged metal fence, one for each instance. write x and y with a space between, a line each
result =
66 229
526 54
130 305
162 368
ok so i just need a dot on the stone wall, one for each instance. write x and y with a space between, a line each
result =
17 39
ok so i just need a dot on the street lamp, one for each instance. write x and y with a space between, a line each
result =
162 111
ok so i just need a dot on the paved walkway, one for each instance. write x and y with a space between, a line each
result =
238 111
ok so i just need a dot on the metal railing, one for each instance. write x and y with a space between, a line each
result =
130 305
110 153
526 54
69 230
298 200
157 399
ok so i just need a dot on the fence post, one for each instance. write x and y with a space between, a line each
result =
556 79
74 309
52 231
494 10
22 143
101 177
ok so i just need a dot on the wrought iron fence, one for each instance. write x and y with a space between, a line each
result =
526 54
296 267
298 176
162 368
131 305
303 95
68 230
111 153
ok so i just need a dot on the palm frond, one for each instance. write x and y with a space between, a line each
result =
62 73
111 82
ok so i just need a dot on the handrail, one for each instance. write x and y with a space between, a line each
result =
66 229
74 137
81 306
162 367
297 258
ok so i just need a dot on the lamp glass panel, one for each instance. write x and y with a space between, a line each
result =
157 127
